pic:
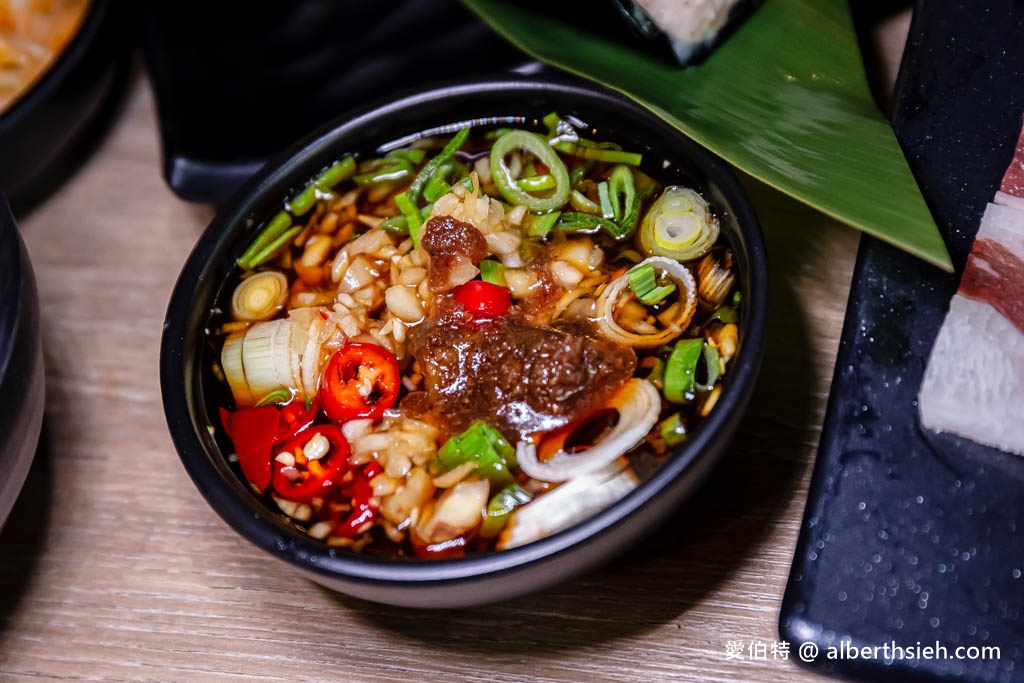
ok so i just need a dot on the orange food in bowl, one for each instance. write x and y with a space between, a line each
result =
32 34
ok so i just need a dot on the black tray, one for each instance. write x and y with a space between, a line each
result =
235 86
909 536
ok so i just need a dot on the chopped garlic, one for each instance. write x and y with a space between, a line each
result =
317 447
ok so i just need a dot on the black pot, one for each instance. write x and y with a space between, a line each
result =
21 363
46 126
484 577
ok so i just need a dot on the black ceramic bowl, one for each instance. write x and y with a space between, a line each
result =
21 363
484 577
45 125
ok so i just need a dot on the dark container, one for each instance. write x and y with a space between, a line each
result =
55 118
21 363
489 576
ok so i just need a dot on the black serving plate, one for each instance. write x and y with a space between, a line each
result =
46 130
21 363
911 537
236 86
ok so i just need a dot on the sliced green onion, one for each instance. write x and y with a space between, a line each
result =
308 402
498 132
500 508
612 156
625 202
435 188
274 247
710 355
270 233
442 172
540 226
725 314
493 272
736 299
673 430
413 156
259 296
580 202
341 171
645 285
577 173
680 371
631 255
304 201
397 225
657 374
445 155
505 181
607 209
277 396
679 225
537 183
584 222
552 120
413 221
398 169
484 445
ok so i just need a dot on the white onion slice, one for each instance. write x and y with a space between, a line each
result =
231 364
457 511
266 357
568 504
638 404
610 296
259 296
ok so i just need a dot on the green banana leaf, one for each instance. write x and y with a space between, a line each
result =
784 98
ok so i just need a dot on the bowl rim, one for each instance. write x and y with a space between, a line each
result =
273 535
11 275
57 71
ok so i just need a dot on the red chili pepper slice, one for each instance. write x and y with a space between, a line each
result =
308 479
254 432
455 547
364 511
361 381
296 415
483 300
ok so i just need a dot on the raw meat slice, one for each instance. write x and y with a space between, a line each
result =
1013 180
974 383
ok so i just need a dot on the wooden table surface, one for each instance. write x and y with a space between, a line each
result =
113 567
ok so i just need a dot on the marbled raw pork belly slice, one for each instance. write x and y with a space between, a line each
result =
1011 190
974 382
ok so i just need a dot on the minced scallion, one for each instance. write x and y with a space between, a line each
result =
540 226
681 369
587 151
500 508
607 208
484 445
493 272
673 430
537 183
644 284
413 220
